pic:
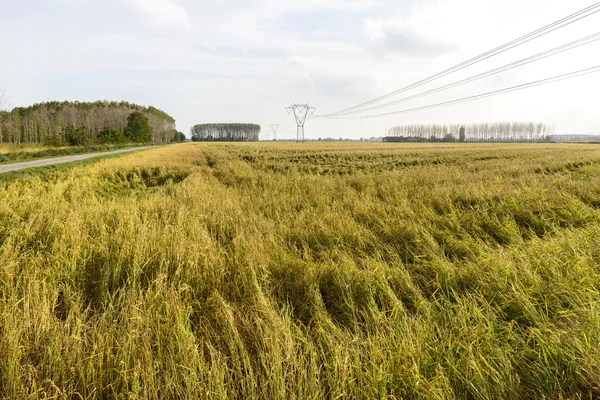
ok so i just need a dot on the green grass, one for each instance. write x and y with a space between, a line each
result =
305 271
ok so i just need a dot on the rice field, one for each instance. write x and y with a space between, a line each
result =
290 271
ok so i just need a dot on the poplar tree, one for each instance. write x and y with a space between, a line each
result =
226 132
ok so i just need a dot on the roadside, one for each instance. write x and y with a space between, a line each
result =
62 160
25 155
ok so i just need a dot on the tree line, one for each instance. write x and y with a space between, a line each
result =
225 132
78 123
506 132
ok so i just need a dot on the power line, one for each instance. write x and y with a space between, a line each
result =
404 41
408 38
561 23
501 49
284 127
524 12
528 60
553 79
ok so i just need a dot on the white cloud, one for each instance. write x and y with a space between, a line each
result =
164 12
245 60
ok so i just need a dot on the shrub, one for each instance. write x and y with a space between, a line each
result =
138 128
111 136
53 140
75 135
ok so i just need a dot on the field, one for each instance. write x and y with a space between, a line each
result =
256 271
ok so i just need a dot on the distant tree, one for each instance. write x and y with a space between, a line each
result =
449 138
178 137
483 132
233 132
138 128
196 138
112 136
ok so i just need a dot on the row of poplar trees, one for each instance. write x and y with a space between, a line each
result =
80 122
483 132
225 133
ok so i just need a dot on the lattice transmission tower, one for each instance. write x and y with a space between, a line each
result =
301 113
275 129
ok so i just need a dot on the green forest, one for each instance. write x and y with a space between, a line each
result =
81 123
225 132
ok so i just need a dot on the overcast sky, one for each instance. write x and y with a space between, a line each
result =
245 60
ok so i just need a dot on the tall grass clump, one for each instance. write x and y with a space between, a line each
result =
316 271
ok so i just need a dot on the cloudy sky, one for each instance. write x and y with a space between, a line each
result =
245 60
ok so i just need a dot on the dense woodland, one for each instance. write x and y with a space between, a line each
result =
75 122
226 132
484 132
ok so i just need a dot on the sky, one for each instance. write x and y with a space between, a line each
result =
206 61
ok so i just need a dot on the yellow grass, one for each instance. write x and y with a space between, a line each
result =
305 271
12 147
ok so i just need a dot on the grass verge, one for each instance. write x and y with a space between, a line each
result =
46 171
35 153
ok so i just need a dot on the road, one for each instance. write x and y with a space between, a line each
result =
61 160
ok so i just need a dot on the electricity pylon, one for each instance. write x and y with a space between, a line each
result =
301 112
275 129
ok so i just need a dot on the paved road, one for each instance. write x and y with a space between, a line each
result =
61 160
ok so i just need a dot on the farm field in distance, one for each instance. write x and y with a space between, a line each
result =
325 270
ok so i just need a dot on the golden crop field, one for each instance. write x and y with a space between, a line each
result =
257 271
